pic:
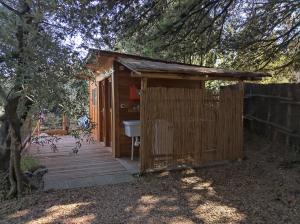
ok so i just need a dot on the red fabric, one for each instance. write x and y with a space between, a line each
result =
133 93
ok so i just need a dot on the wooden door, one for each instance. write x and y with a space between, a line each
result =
105 110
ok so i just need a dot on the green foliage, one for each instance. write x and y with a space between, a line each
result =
28 162
37 63
215 85
244 35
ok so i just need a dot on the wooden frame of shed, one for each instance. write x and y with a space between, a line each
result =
182 122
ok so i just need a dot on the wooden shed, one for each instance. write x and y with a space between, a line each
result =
183 123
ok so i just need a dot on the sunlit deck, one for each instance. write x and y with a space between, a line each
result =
93 165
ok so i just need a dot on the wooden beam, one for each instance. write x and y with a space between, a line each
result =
183 76
130 68
268 96
289 134
297 103
100 78
144 83
285 129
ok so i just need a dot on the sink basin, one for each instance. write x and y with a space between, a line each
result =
132 128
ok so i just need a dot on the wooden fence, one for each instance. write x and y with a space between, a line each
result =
190 127
273 110
53 125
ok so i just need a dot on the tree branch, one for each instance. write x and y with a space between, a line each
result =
10 8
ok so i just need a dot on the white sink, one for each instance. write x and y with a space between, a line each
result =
132 128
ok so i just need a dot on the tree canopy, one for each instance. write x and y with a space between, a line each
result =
238 34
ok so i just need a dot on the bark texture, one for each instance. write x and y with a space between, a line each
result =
15 174
4 145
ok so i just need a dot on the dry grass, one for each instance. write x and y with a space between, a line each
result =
256 190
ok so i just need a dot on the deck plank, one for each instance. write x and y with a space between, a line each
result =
93 165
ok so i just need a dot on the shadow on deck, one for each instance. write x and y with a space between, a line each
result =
93 165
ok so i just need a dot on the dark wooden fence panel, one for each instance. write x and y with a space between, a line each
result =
190 126
273 110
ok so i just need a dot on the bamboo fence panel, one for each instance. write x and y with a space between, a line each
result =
190 127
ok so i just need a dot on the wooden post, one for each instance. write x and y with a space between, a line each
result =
241 140
98 110
107 117
251 109
38 128
115 113
202 85
288 118
269 128
143 153
64 123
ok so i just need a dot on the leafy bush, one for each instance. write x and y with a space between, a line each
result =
28 162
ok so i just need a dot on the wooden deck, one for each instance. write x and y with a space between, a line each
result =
93 165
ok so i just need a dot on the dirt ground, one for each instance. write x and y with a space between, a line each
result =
260 189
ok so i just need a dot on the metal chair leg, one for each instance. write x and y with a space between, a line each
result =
132 147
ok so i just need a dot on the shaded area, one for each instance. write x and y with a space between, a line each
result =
273 111
257 190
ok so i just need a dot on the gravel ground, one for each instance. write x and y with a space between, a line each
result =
256 190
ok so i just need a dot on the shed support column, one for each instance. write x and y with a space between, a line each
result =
143 153
99 121
106 114
241 92
115 114
65 123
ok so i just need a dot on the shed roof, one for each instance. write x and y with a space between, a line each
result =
141 65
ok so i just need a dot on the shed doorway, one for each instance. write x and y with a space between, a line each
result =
105 115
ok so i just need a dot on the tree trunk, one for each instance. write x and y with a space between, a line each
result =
16 144
14 120
15 175
4 158
12 181
4 145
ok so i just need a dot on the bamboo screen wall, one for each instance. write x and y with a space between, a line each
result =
190 126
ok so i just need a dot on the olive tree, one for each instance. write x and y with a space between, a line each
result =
37 69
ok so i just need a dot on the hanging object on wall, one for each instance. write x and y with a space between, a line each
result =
133 93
